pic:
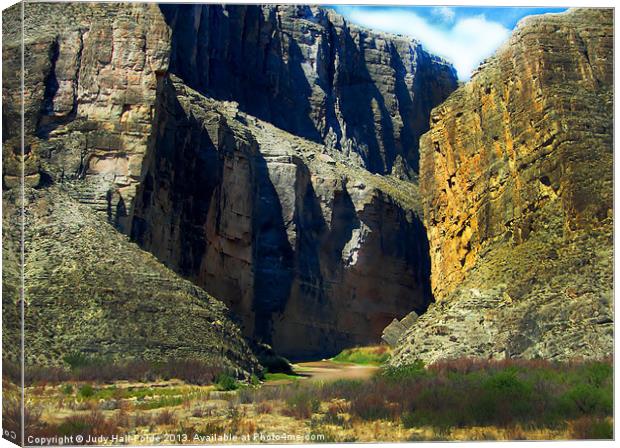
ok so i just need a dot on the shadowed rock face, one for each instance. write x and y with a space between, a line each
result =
516 183
311 250
307 71
312 254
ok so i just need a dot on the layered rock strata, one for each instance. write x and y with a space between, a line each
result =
91 77
90 81
516 182
312 254
306 70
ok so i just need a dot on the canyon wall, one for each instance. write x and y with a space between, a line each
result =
516 181
314 255
306 70
90 80
268 202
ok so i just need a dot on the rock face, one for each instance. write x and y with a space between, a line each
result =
516 182
91 77
312 254
307 71
280 220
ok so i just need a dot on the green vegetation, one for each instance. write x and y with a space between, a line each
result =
86 391
161 402
226 382
280 377
466 393
376 356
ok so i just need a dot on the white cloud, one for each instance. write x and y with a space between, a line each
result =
444 13
465 43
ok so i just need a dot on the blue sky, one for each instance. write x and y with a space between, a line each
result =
463 35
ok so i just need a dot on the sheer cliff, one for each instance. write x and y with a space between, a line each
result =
516 181
313 254
252 178
306 70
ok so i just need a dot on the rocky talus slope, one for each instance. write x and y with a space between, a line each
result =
279 216
90 80
516 183
89 290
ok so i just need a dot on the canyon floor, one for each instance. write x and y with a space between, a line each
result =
332 401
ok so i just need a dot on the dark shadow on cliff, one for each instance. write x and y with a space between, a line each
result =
356 92
411 132
272 253
185 166
311 228
405 239
248 67
246 57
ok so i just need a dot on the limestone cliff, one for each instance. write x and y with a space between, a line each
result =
516 181
312 254
311 250
91 76
306 70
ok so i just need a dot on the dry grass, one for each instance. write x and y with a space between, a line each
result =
456 400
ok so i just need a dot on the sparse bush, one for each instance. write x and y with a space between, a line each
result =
93 424
142 419
80 367
165 417
226 382
264 407
12 417
592 428
86 391
302 404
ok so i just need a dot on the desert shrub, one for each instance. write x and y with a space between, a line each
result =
45 375
165 417
587 399
264 407
462 392
12 418
192 371
334 416
78 360
373 406
80 367
92 424
414 370
142 419
86 391
504 397
592 428
226 382
302 404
